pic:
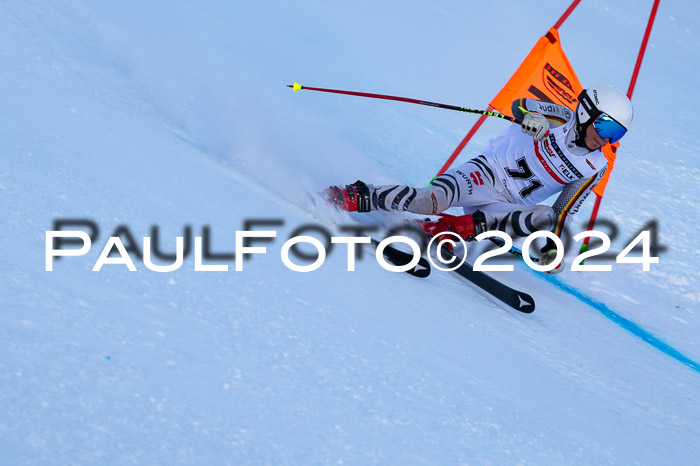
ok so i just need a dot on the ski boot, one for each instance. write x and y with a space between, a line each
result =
549 253
467 227
353 198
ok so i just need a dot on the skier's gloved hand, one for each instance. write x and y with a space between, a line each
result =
548 258
536 125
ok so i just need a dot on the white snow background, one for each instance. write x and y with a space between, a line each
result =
176 113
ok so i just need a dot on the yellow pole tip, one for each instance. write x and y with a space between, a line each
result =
296 87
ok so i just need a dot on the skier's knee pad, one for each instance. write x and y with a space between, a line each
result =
528 219
429 201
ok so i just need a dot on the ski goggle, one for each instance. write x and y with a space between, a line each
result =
608 128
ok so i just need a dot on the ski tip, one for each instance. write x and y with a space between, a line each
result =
526 303
295 87
421 270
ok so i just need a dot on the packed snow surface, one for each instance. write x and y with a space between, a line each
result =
176 114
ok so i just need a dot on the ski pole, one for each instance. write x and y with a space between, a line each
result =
298 87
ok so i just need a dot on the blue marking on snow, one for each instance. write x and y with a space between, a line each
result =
628 325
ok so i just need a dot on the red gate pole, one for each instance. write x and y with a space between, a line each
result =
642 49
566 14
630 90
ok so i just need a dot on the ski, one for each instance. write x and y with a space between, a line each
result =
399 258
516 299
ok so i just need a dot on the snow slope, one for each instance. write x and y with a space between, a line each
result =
175 114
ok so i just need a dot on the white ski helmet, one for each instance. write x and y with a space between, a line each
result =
607 108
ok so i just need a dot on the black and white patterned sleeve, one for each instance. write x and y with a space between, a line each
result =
555 114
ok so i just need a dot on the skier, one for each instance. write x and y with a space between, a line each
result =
557 151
